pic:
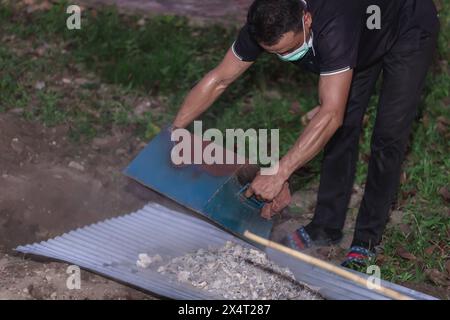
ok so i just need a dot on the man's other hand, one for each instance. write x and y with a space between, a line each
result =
281 201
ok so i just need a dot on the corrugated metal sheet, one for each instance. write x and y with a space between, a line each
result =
111 248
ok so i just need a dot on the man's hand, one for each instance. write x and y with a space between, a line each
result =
281 201
273 189
265 187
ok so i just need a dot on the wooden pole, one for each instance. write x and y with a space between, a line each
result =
326 266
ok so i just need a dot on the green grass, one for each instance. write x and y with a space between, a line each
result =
166 56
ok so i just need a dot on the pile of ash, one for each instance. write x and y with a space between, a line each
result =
236 272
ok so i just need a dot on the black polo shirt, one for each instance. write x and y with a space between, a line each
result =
341 38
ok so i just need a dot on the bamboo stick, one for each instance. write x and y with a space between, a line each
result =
326 266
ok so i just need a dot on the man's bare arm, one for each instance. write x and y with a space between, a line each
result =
213 84
333 96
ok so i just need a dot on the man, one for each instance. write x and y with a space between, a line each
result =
336 39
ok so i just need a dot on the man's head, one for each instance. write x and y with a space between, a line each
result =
277 24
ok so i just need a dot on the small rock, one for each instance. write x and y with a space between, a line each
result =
41 50
53 296
66 81
39 85
396 217
76 166
142 108
17 145
141 22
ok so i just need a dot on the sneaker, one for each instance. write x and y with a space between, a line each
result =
359 258
301 239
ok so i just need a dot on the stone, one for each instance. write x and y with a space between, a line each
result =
143 107
17 145
39 85
76 166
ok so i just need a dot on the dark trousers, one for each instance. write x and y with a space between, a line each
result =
404 70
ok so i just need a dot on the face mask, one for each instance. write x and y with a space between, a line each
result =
301 51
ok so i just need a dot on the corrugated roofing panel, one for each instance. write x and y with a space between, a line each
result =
112 247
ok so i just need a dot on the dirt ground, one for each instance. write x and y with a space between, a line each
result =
49 186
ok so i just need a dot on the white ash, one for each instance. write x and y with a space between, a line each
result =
236 272
145 260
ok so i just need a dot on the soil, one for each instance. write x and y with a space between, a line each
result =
41 196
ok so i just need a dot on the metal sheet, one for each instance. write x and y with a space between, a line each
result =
211 190
111 248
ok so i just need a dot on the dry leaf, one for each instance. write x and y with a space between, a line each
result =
442 129
405 254
445 193
429 251
438 278
381 259
443 120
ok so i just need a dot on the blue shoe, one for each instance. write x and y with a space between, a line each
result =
300 239
359 258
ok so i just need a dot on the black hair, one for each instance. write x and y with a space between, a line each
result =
268 20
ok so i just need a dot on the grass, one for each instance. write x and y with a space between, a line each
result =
165 56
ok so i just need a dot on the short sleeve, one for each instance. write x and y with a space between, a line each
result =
245 48
338 45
